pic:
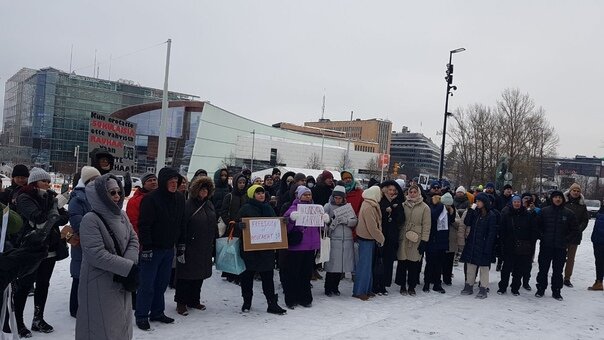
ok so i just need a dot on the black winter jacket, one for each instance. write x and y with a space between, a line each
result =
518 231
480 242
557 227
577 206
161 223
259 260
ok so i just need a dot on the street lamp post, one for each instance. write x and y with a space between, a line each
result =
449 79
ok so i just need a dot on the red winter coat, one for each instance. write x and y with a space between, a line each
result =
133 208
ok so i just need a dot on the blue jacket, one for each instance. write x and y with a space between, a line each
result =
78 207
439 240
597 235
480 242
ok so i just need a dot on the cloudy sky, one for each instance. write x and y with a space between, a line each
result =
273 60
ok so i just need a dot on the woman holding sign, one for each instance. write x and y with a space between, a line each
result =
261 261
301 255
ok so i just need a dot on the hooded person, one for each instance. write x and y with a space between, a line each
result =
259 261
354 192
479 246
161 228
393 218
195 264
110 255
222 188
78 207
321 193
104 162
229 213
19 177
575 201
341 252
369 234
283 194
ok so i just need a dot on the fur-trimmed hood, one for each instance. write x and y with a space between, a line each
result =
198 183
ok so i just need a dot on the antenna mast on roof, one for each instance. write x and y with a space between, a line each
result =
323 108
70 58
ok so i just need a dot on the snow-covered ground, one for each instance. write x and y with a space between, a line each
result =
428 315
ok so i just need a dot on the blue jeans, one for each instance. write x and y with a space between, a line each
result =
154 279
363 279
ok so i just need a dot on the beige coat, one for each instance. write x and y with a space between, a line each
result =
370 221
462 230
418 220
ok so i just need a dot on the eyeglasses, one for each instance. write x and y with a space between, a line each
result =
114 192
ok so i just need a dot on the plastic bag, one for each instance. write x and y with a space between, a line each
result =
323 254
228 257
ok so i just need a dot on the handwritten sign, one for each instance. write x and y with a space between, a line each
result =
116 136
265 231
344 212
310 215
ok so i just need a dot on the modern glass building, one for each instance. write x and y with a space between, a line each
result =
414 152
46 114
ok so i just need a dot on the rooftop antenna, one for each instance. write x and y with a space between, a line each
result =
94 66
323 108
71 58
109 78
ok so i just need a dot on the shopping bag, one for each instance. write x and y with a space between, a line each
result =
228 257
323 254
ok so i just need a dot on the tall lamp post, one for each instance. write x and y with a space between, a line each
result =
449 79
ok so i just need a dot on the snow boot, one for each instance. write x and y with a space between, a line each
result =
426 288
181 309
527 287
501 291
411 292
162 318
438 288
482 293
597 286
143 324
568 284
403 291
273 307
556 295
540 293
38 324
515 292
247 304
467 289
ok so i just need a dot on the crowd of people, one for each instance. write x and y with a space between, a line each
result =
124 258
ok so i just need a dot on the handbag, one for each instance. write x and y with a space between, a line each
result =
62 251
412 236
294 237
221 226
228 254
323 254
129 286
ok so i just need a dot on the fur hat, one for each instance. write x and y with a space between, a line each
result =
37 174
20 170
201 182
88 173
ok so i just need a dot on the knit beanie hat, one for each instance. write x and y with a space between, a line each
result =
147 176
461 189
516 198
301 191
20 170
276 171
254 189
556 193
401 183
575 186
299 176
507 186
256 178
326 174
489 185
267 176
447 199
339 191
199 172
37 174
88 173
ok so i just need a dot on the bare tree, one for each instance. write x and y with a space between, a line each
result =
314 161
344 162
229 160
373 168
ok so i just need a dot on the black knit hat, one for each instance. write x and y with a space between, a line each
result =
20 170
556 193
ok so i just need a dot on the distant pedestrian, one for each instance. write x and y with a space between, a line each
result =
597 238
575 202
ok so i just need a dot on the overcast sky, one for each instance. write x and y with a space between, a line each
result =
273 60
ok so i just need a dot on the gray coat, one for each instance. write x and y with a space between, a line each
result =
341 254
105 308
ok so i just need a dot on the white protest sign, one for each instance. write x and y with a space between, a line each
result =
344 212
265 231
5 213
310 215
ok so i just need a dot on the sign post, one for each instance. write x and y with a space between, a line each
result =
384 161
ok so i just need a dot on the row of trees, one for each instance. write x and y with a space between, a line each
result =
482 136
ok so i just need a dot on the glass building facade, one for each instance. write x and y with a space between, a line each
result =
47 112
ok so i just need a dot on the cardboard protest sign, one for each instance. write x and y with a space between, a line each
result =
116 136
344 212
310 215
264 233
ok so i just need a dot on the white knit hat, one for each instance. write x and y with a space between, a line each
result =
37 174
88 173
461 189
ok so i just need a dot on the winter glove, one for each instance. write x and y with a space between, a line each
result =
180 253
326 218
130 282
147 255
422 247
294 215
379 244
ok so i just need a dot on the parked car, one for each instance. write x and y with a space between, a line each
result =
593 206
6 181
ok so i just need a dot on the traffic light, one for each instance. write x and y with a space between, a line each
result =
395 168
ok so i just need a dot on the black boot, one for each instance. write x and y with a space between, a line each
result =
247 304
273 307
38 324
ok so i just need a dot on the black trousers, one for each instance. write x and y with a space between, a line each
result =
554 257
599 255
407 273
526 279
247 284
332 282
188 292
73 297
298 273
447 267
433 270
41 277
517 266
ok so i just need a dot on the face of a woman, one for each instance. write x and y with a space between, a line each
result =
338 200
390 191
306 197
479 204
203 193
241 183
115 194
43 184
413 193
259 196
258 181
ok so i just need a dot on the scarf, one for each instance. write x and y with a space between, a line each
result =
265 209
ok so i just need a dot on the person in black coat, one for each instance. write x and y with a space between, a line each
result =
438 244
222 188
259 261
517 234
19 178
557 228
161 226
393 218
195 264
478 251
321 193
283 194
